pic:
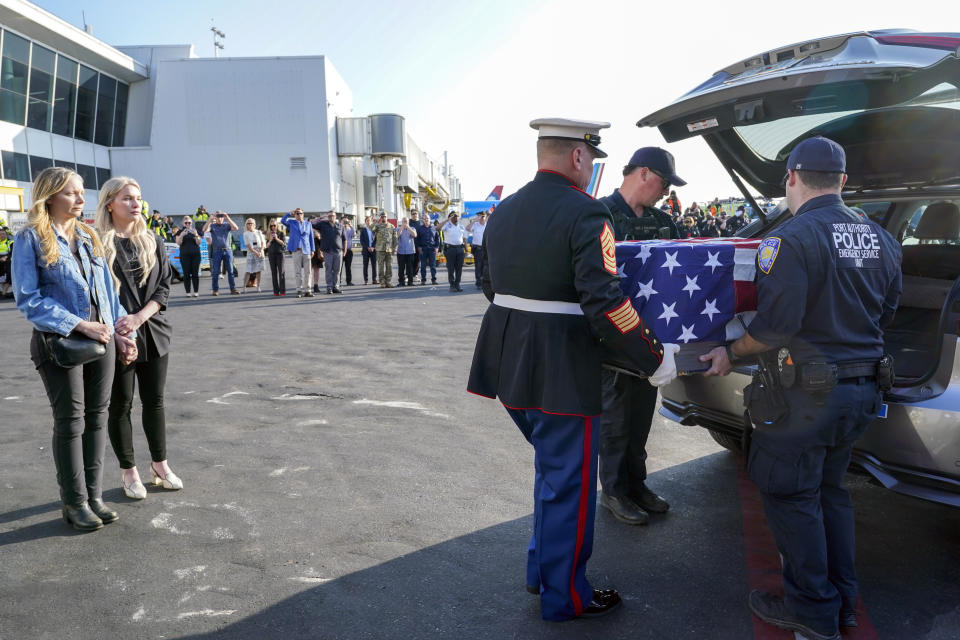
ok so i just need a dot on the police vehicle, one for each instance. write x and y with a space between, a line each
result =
892 100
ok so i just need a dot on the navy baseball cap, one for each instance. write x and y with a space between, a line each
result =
658 160
818 154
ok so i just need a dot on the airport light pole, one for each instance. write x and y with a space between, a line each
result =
217 43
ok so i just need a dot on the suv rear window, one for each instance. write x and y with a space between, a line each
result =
774 140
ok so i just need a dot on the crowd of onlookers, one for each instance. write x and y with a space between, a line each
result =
326 242
712 220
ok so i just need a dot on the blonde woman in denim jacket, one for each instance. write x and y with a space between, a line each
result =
56 260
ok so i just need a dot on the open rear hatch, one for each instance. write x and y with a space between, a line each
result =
891 98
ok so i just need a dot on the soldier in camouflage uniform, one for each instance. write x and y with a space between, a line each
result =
386 245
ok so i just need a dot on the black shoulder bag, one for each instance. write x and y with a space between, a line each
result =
76 349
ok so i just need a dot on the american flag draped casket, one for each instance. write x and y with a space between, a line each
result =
691 291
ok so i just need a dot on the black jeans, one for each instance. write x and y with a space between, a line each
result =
369 258
151 377
454 255
347 263
79 397
277 273
190 263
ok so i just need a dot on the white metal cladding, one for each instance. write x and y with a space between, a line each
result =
353 137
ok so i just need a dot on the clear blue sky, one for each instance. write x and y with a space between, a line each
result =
469 76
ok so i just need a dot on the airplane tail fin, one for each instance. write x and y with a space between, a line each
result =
495 194
594 185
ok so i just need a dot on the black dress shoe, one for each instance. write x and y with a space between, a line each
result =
337 290
604 601
101 510
772 610
458 288
532 588
848 613
649 501
624 509
81 518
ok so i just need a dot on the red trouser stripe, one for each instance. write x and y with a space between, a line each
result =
763 564
582 514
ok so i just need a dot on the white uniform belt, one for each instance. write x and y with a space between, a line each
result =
538 306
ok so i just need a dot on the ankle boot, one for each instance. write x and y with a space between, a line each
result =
101 510
81 517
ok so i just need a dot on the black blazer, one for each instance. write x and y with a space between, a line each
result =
156 331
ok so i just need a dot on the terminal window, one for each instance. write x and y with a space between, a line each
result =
16 166
41 88
13 78
65 96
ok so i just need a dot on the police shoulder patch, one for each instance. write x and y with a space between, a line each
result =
608 247
767 253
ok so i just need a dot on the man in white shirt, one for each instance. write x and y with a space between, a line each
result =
454 240
476 244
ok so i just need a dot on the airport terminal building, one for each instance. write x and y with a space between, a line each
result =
189 130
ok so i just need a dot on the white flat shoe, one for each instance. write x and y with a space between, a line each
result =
135 490
171 482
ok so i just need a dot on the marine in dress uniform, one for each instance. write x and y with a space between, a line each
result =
828 282
538 351
629 401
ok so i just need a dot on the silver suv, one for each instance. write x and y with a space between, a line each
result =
892 99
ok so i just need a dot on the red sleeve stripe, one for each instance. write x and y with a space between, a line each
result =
624 317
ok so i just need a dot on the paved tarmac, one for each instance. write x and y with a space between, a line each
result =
341 484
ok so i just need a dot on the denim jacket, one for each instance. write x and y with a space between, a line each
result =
55 299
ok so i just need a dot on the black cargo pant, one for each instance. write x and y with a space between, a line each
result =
628 406
79 397
798 464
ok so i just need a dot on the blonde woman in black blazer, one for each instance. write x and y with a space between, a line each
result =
141 270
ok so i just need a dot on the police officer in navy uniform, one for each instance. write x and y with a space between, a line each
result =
828 282
629 401
538 352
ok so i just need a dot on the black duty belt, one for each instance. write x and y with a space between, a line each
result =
452 246
847 370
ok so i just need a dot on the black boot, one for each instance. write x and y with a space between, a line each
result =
101 510
81 517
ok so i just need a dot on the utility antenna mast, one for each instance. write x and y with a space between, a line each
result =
217 41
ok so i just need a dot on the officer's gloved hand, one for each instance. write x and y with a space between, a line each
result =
667 370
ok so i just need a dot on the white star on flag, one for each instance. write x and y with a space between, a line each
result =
710 309
692 285
687 335
671 261
713 261
644 253
621 272
646 290
668 313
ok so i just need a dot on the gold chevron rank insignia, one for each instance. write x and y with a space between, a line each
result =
609 249
624 317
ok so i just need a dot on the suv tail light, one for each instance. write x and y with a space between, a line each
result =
948 43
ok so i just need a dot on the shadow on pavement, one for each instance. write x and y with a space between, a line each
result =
681 576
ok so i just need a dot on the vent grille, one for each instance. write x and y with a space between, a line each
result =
298 163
